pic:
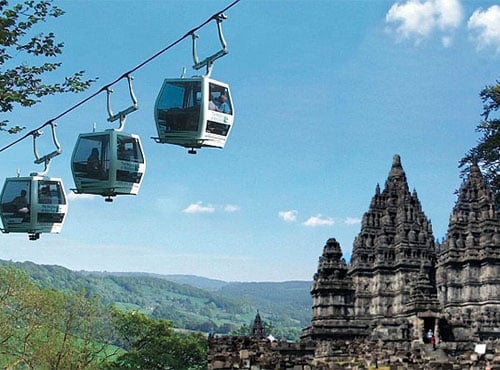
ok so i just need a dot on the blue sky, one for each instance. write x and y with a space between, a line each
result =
325 93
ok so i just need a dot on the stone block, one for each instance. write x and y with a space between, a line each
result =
218 365
393 359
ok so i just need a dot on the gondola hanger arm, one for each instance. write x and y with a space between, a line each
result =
122 116
209 61
48 157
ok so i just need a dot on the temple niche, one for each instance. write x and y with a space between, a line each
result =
400 284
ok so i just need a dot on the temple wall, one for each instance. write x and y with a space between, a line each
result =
246 353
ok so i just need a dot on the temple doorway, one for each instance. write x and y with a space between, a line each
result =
429 325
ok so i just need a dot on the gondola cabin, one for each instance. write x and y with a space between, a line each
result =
194 112
35 204
108 163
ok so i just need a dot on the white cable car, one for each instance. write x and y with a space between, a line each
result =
108 163
35 204
194 112
111 162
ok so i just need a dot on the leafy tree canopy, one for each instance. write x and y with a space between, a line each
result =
26 83
153 344
46 329
487 150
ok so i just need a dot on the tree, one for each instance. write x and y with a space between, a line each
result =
47 329
153 344
487 151
25 84
244 329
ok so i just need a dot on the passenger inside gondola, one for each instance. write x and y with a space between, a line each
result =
94 163
219 96
123 154
20 203
223 104
44 196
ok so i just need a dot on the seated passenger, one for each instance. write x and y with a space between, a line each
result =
123 154
223 104
44 196
20 203
93 162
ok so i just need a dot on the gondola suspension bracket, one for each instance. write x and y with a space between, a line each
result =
209 61
122 116
48 157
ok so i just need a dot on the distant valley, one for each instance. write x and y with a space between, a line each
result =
190 302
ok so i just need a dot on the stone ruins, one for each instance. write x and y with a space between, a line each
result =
402 291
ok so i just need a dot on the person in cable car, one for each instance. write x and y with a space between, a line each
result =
223 104
20 203
44 196
94 163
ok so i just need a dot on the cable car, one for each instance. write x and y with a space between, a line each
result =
108 163
194 112
35 204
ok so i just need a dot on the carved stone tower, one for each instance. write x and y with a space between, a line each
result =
394 249
258 329
333 298
468 268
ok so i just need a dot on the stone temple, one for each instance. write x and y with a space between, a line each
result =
401 284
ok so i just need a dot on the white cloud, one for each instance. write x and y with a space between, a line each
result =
352 221
319 220
485 25
199 208
230 208
72 196
417 19
288 216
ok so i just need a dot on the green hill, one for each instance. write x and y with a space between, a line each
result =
190 302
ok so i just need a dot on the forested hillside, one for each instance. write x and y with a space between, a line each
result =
220 306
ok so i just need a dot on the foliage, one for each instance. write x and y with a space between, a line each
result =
244 329
26 83
487 151
153 344
42 328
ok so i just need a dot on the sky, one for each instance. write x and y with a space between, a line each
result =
325 94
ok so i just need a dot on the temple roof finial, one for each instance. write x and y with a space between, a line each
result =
396 169
396 161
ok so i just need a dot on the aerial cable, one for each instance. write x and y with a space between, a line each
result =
127 74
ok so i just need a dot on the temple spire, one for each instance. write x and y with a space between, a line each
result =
258 329
397 168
